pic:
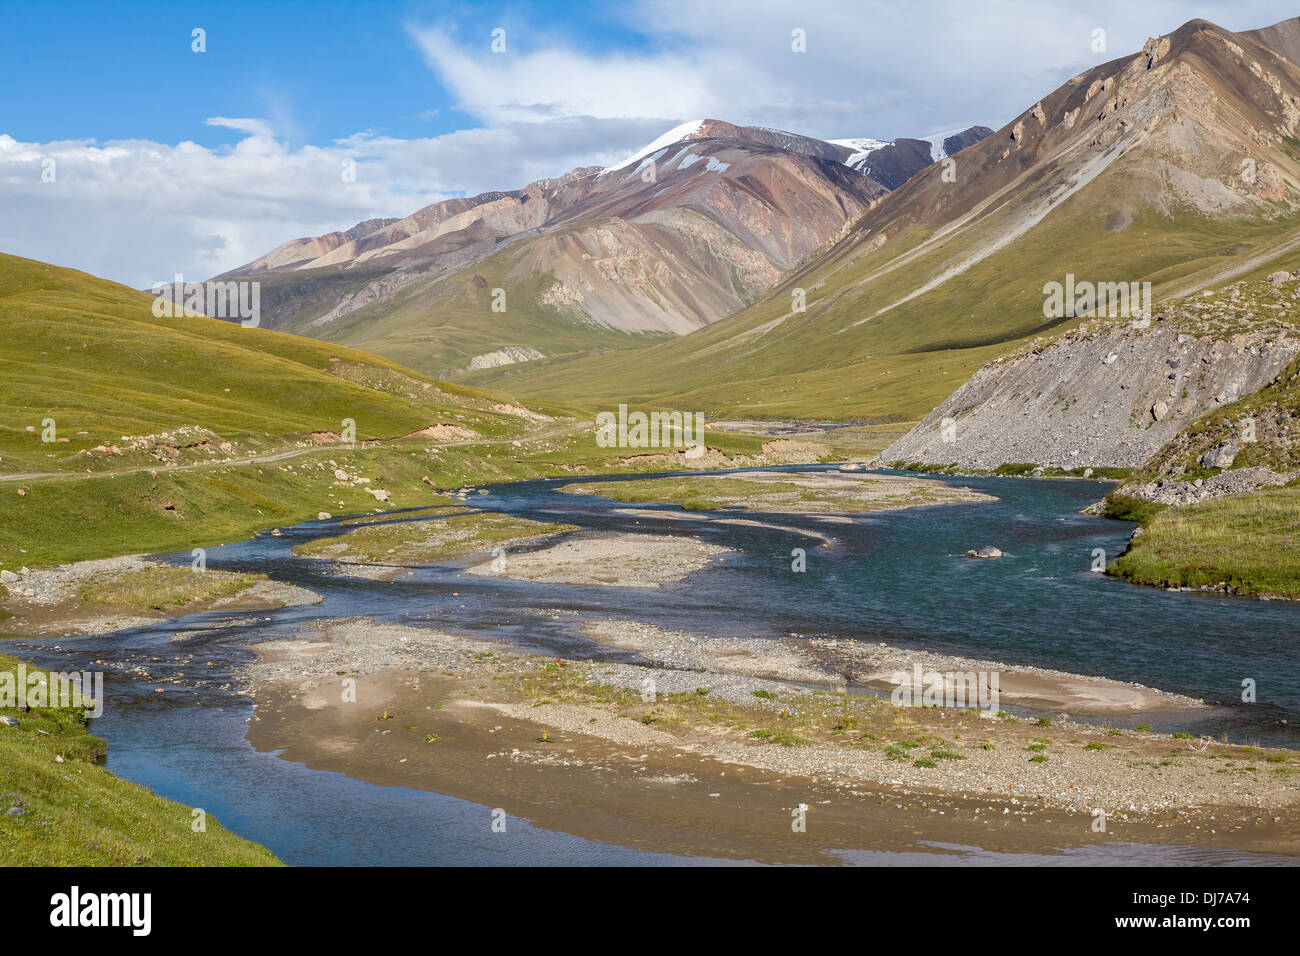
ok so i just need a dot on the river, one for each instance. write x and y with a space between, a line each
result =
897 577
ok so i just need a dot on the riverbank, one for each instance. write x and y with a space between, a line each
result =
56 520
1245 545
708 746
59 807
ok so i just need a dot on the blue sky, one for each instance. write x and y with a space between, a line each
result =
124 153
320 71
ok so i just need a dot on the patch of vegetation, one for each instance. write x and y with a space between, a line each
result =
59 807
1249 544
165 587
430 540
940 753
710 493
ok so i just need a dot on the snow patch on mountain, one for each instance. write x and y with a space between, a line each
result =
937 150
676 134
861 146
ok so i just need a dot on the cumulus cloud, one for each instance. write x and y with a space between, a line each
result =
874 68
139 211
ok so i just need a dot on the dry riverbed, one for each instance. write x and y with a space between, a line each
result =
708 746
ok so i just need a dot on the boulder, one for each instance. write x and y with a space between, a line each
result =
379 493
1221 455
8 577
988 552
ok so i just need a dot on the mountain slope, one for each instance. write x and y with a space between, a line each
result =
1109 394
123 386
682 233
1178 165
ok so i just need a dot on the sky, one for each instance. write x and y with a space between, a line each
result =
129 152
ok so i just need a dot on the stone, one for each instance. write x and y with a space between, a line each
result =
1221 455
986 552
8 721
379 493
323 516
1159 410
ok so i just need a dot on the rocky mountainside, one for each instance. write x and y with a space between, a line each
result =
1177 165
1244 444
1112 393
683 233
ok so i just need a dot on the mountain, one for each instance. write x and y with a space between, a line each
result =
682 233
1177 165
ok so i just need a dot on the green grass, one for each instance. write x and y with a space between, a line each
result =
164 587
95 516
426 541
73 812
707 493
1249 543
90 355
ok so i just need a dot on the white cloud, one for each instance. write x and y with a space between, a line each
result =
138 211
875 68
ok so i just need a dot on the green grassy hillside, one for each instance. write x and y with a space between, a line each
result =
90 355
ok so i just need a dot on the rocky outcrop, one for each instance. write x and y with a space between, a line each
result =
506 355
1168 491
1110 395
